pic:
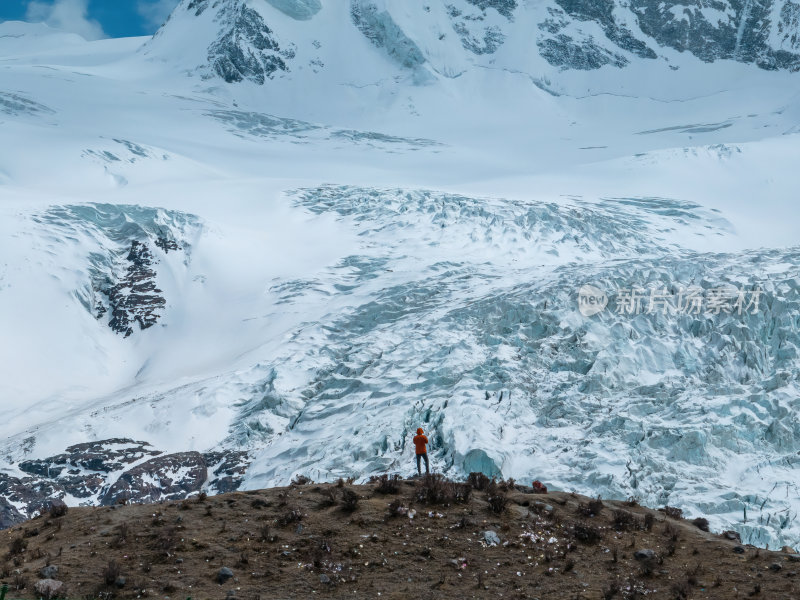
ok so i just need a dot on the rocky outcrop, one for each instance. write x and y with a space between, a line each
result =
102 456
114 470
9 516
762 32
167 477
136 298
227 469
246 48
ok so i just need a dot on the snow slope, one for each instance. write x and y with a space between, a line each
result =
305 264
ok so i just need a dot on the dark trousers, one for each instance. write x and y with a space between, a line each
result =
419 466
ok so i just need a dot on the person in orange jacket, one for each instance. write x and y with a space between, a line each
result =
421 443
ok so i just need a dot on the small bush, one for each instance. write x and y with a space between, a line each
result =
611 590
497 502
397 508
461 492
328 496
671 531
587 533
592 508
111 572
649 520
693 574
19 582
301 480
167 540
434 489
17 546
290 516
259 503
701 523
496 496
623 520
202 496
478 481
349 500
672 512
386 484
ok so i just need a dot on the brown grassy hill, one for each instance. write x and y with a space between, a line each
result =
390 539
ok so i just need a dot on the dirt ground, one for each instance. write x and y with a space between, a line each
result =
425 540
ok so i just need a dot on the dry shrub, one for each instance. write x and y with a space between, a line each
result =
478 481
592 508
301 480
17 546
496 496
328 496
623 520
671 531
386 484
587 533
397 508
111 572
672 512
349 500
290 516
434 488
461 493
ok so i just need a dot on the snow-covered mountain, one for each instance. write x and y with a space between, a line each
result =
281 234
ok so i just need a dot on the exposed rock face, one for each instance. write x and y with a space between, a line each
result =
9 516
135 298
32 492
571 34
227 469
108 471
127 243
167 477
763 32
246 48
103 456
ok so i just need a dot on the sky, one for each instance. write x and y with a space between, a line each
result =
93 19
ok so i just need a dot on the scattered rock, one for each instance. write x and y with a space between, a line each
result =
775 567
223 575
645 554
120 582
47 588
491 538
788 550
738 549
324 578
49 572
700 523
732 535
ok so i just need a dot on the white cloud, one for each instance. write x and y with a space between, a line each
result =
68 15
155 12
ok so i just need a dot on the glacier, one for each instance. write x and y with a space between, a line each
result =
278 236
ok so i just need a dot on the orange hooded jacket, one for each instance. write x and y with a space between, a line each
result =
420 441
